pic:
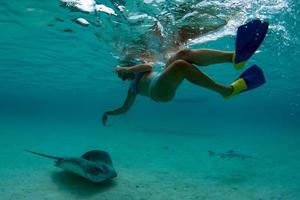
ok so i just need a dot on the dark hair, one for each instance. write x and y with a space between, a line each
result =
129 76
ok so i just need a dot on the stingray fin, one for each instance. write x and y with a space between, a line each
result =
40 154
97 155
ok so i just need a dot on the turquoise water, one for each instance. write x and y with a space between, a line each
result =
56 80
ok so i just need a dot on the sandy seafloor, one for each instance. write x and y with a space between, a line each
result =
153 162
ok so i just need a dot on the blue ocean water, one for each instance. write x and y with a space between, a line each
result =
56 80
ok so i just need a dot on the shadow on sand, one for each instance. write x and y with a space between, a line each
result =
79 186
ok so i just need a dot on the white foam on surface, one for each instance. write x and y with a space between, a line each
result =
88 6
103 8
82 21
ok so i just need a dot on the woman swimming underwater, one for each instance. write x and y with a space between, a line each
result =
161 86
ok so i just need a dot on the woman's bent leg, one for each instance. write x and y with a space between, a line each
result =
203 57
179 70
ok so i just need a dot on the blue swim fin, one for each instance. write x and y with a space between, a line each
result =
252 78
249 38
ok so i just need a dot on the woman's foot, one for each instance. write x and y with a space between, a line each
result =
252 78
238 66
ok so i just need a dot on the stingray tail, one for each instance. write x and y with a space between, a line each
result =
40 154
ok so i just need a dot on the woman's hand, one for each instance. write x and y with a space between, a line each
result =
104 118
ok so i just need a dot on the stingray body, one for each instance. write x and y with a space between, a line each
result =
96 165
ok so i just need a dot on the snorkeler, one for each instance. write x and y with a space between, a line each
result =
162 86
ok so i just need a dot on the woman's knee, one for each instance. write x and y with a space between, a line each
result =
179 64
183 54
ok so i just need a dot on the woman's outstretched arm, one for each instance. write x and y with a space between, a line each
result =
123 109
134 69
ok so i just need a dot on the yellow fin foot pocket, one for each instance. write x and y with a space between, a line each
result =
252 78
238 66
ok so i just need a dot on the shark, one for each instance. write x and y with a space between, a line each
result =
229 154
95 166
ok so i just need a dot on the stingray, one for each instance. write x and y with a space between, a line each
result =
96 166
